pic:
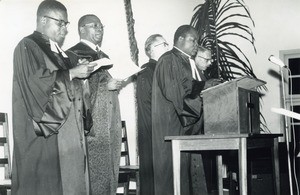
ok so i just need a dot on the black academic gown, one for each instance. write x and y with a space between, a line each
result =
144 95
49 150
104 139
176 110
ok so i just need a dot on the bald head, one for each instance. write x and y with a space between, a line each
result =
90 28
86 19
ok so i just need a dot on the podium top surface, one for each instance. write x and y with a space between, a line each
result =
223 136
246 82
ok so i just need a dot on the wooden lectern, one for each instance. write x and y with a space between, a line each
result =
232 107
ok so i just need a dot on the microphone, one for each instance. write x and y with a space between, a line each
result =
276 61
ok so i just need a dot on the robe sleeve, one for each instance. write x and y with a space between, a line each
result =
47 94
144 94
144 87
87 116
180 90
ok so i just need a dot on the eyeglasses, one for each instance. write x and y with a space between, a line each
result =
60 23
165 44
95 26
207 59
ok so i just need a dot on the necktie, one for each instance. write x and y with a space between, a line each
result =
202 76
98 52
97 49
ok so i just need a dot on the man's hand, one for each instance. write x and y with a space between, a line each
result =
212 82
82 70
114 84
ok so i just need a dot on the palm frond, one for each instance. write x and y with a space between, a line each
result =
216 22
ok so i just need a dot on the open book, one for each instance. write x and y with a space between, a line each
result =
104 63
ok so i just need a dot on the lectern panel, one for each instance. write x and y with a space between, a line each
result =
232 109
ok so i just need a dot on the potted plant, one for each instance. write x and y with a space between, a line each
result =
218 23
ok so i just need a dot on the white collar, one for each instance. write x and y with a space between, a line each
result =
90 44
182 51
55 48
195 72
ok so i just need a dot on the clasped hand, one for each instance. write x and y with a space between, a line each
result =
114 84
83 69
212 82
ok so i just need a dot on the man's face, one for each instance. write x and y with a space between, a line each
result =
203 60
189 44
93 31
159 47
55 26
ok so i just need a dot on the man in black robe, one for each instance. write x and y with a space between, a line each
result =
201 162
49 147
176 107
155 46
104 140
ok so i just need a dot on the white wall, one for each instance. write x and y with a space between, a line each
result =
17 19
276 29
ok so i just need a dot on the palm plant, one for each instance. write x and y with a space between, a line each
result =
217 22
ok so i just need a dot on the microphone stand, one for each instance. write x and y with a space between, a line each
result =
286 134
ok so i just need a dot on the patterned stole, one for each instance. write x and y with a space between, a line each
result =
98 52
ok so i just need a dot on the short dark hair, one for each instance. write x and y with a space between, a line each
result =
49 5
149 41
182 31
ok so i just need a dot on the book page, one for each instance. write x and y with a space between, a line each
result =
103 62
131 73
131 70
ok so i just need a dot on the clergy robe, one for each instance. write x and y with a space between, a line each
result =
176 110
144 95
104 140
49 149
